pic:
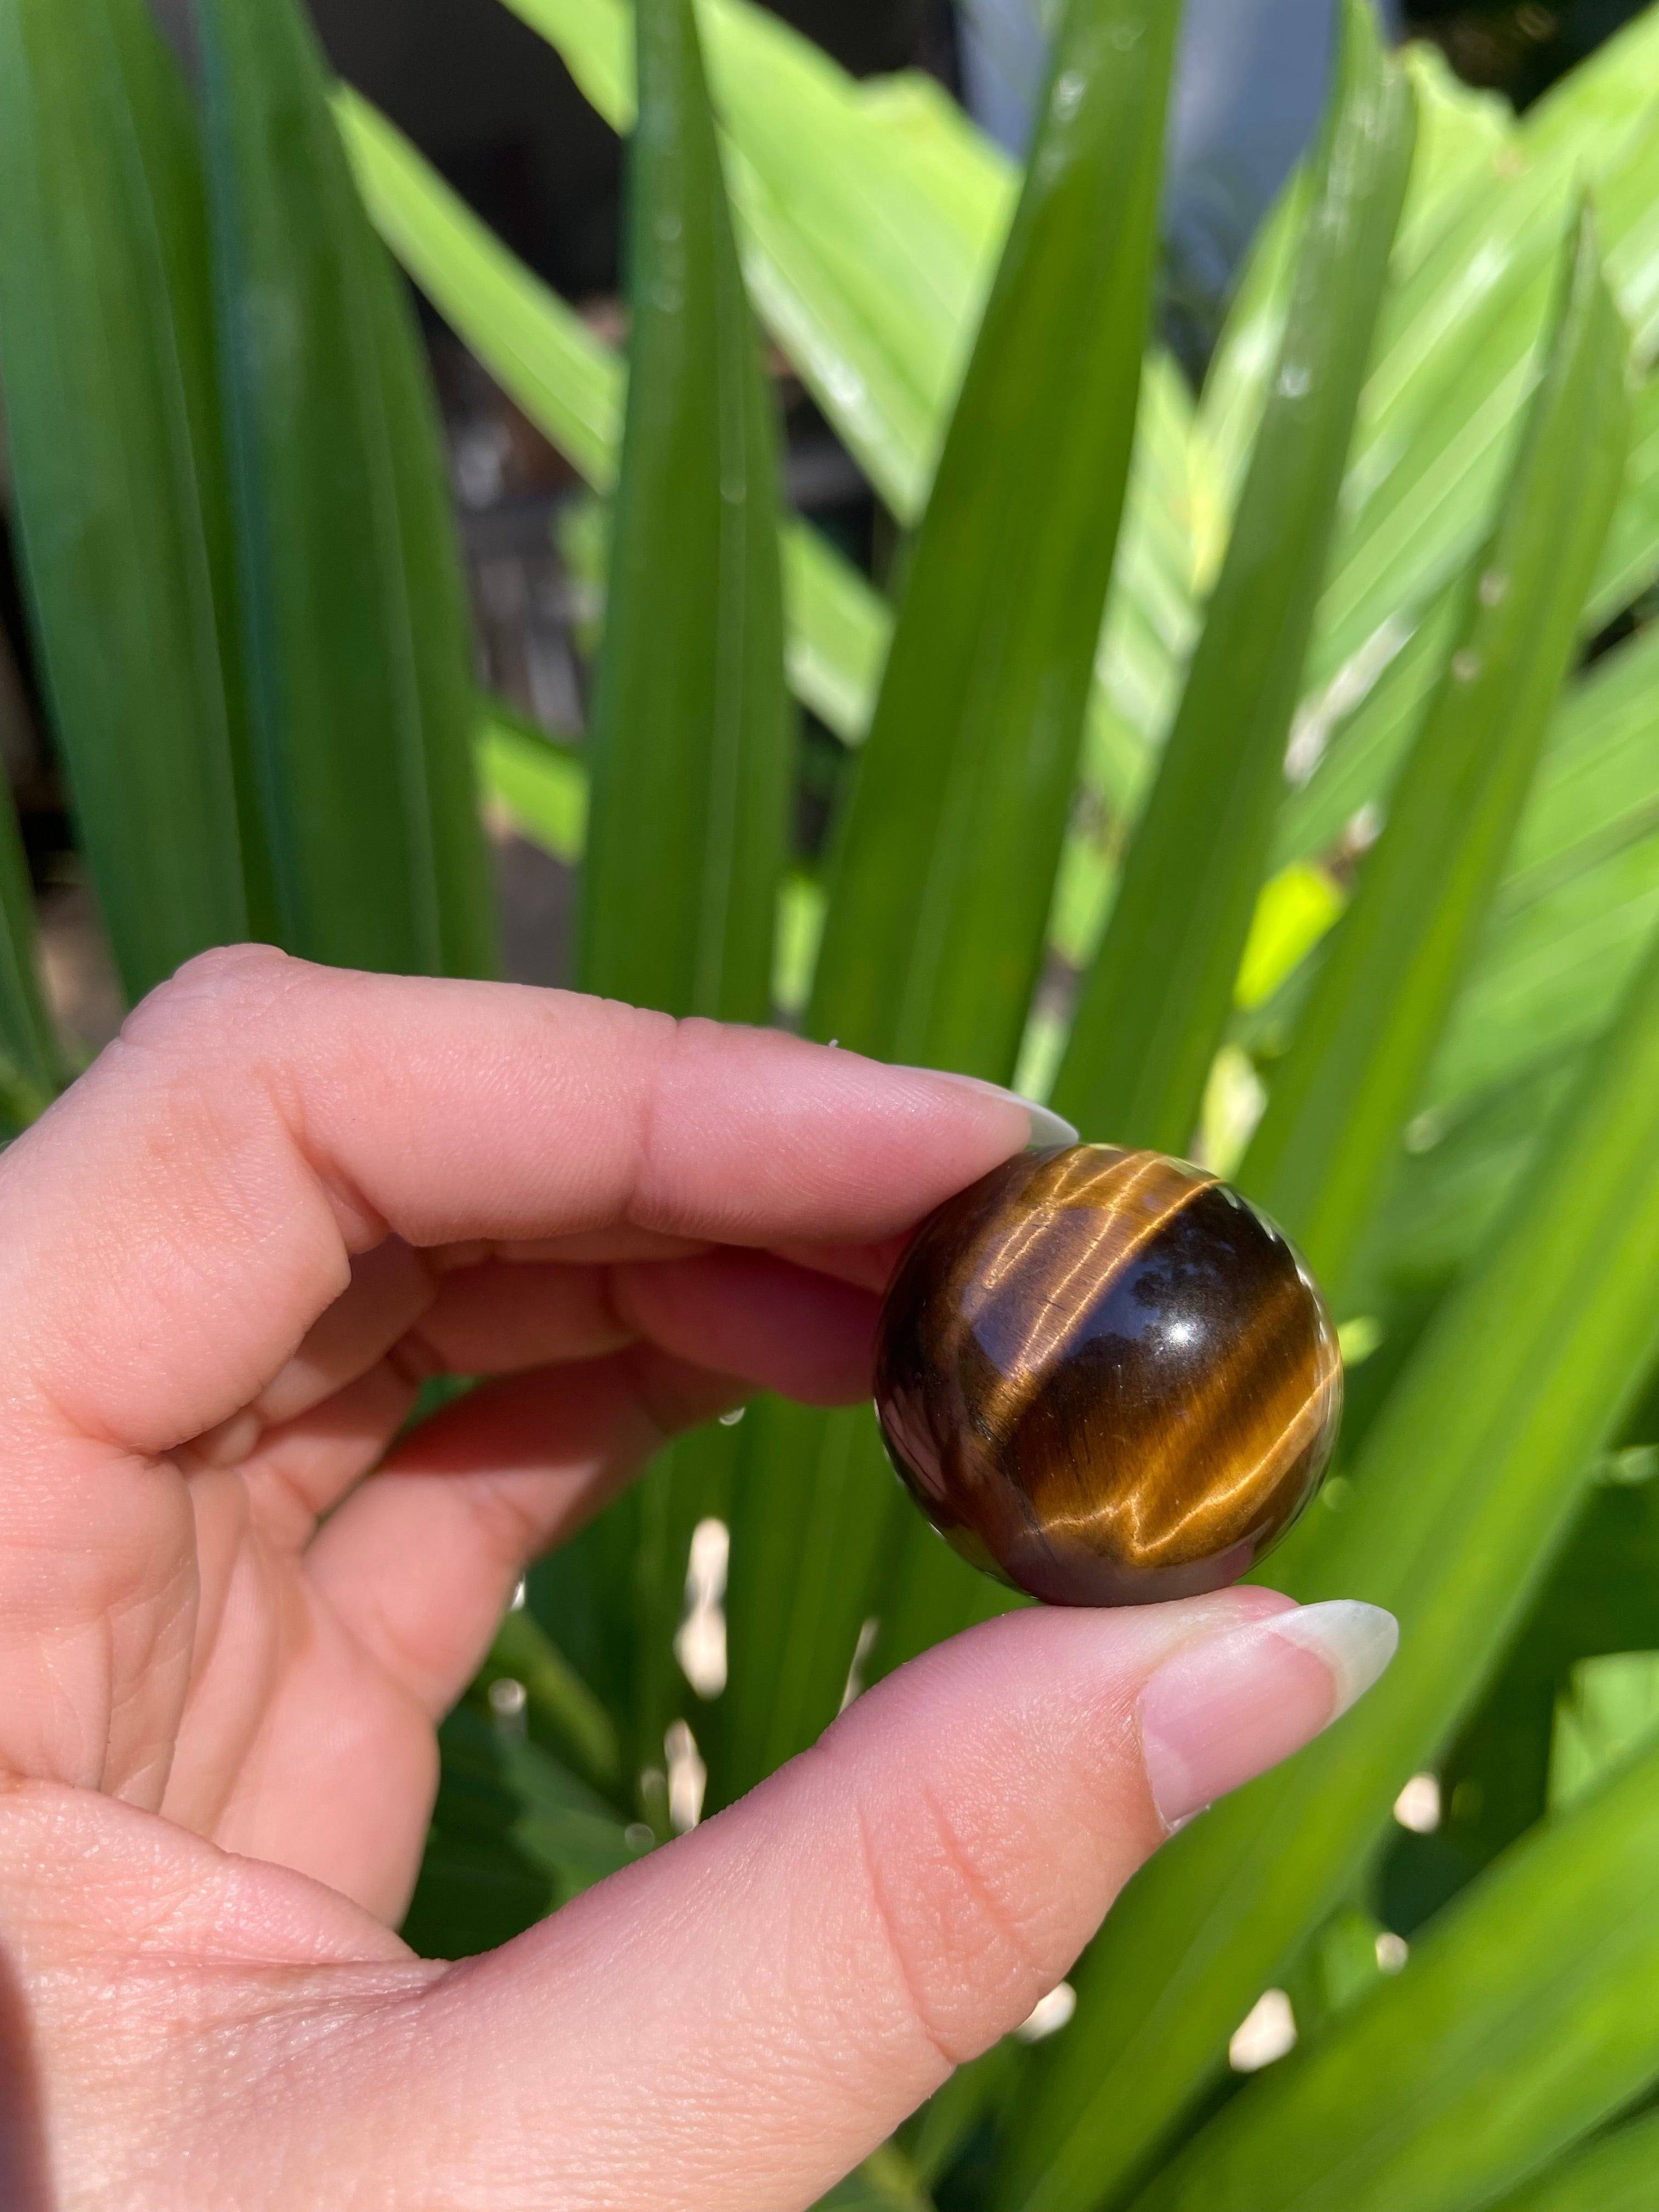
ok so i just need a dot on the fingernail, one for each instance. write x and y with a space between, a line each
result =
1219 1713
1048 1128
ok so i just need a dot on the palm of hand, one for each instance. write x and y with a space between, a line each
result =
291 1640
297 1742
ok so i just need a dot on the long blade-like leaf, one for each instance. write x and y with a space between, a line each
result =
1614 2174
1579 900
948 851
1461 336
542 354
1462 1490
792 1626
1354 738
441 653
688 834
359 677
692 754
572 386
100 355
1524 2018
870 275
1343 1094
947 860
1156 1001
1602 1597
871 219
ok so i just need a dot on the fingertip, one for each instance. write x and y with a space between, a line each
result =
1222 1711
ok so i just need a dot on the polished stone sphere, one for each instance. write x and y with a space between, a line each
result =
1105 1378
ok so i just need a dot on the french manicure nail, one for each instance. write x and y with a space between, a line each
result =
1048 1128
1219 1712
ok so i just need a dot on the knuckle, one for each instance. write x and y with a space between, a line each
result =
212 997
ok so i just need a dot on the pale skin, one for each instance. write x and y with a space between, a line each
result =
229 1622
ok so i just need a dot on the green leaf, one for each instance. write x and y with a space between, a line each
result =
866 257
1297 907
1597 789
871 275
870 217
559 1701
1455 367
1353 739
572 386
359 661
103 278
886 2182
1241 372
691 748
839 630
1460 135
1549 975
1581 893
948 851
1462 1490
434 600
1158 996
1523 2020
977 2093
1579 902
1459 350
811 1489
1608 1715
1463 137
28 1039
541 353
691 753
1339 1967
541 784
514 1836
1602 1596
1386 985
1456 1176
1613 2174
1630 558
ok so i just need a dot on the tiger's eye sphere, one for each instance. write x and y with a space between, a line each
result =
1105 1378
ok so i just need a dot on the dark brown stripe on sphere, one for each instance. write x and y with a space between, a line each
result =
1106 1378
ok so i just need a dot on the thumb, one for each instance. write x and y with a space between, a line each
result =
737 2020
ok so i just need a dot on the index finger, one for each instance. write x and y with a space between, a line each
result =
181 1217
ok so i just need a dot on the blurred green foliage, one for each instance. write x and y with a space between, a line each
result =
1274 771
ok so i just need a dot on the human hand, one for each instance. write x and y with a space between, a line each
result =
227 1259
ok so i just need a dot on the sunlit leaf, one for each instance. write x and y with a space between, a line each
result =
960 804
871 217
1342 1094
1157 997
573 387
1613 2174
1521 2020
